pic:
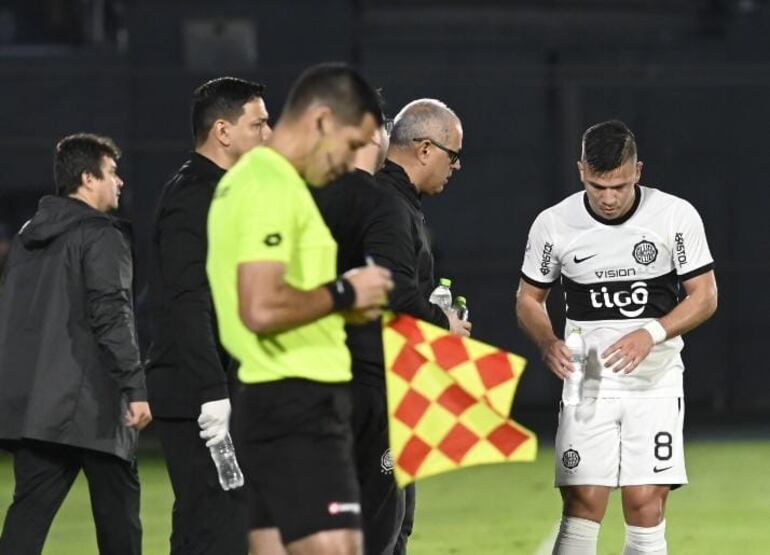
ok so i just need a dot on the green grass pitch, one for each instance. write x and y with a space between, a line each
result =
501 509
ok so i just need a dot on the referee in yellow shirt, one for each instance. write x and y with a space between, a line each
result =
281 311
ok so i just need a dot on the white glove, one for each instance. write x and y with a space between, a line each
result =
214 421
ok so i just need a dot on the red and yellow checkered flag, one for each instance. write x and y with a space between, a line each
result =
449 400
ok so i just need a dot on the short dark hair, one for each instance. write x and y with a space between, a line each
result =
338 86
220 98
608 145
75 154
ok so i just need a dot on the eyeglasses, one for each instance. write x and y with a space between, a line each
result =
454 155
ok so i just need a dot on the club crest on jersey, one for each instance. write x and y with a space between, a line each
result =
386 462
645 252
570 459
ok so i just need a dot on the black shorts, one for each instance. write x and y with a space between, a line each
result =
295 447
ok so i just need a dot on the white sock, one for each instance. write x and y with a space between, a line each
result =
577 536
646 541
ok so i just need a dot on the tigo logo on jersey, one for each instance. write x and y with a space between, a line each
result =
545 259
635 300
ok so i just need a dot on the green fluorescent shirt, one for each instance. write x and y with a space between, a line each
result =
263 212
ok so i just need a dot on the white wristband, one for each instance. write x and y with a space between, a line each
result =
656 330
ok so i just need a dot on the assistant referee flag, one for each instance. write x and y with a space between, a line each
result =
449 400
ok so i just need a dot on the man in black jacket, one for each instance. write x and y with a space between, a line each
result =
72 393
424 152
186 374
363 219
382 219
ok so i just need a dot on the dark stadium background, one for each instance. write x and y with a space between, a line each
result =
691 78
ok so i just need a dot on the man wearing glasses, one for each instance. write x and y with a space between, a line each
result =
424 152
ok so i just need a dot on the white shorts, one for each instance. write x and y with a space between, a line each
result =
621 442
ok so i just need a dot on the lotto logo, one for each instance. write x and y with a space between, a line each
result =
630 303
273 239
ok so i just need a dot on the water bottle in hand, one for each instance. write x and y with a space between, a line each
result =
223 455
461 308
573 386
442 295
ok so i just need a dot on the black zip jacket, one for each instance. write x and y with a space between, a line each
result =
69 360
368 218
410 252
363 221
187 364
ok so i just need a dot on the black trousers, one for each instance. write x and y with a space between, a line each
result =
407 525
383 504
206 519
44 473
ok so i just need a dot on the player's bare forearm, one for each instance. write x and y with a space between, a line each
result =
533 319
268 304
532 315
699 305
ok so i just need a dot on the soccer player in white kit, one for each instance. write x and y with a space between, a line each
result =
625 255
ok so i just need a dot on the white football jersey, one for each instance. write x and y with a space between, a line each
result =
618 275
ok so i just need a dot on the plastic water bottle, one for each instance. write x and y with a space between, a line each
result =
442 295
461 308
223 455
573 386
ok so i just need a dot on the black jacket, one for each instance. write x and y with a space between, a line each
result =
410 250
187 364
368 218
69 361
363 221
